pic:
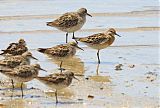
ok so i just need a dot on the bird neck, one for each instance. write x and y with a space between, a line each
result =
110 34
69 81
82 14
72 50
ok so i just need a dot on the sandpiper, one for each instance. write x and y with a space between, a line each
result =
23 73
61 52
58 81
100 40
14 61
16 48
70 22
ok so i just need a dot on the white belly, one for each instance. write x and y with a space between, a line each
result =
97 46
19 79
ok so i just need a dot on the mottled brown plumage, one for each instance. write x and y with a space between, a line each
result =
57 81
66 21
61 52
14 61
16 48
100 40
70 22
23 73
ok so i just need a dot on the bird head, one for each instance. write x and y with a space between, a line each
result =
37 66
74 44
83 12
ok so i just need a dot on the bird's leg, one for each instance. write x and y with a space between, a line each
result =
12 88
22 89
66 37
12 84
56 96
98 57
74 38
61 66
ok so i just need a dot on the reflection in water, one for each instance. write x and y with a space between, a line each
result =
15 103
63 93
98 78
97 69
74 64
7 89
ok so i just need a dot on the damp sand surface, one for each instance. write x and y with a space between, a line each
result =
128 74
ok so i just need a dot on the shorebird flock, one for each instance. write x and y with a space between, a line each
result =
16 62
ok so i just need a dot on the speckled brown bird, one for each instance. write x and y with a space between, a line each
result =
58 81
100 40
61 52
16 48
23 73
70 22
14 61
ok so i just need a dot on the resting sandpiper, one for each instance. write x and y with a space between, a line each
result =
70 22
100 40
61 52
16 48
14 61
23 73
58 81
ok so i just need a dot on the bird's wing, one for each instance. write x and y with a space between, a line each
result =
22 71
11 60
4 62
6 70
94 39
59 50
16 50
66 20
12 45
52 79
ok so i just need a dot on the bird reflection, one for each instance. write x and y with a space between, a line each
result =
97 69
99 78
15 103
74 64
64 93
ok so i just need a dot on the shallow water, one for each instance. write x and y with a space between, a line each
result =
136 21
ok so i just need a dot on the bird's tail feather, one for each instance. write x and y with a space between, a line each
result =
42 50
2 53
49 23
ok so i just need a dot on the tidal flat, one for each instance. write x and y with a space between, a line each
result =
134 85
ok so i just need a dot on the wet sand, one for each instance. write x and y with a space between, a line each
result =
134 84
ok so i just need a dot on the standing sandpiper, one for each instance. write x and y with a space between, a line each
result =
14 61
70 22
23 73
100 40
58 81
61 52
16 48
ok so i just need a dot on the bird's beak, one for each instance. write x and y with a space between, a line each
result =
42 69
89 15
75 78
118 35
34 58
79 48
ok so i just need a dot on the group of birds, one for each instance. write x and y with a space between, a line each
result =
16 63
